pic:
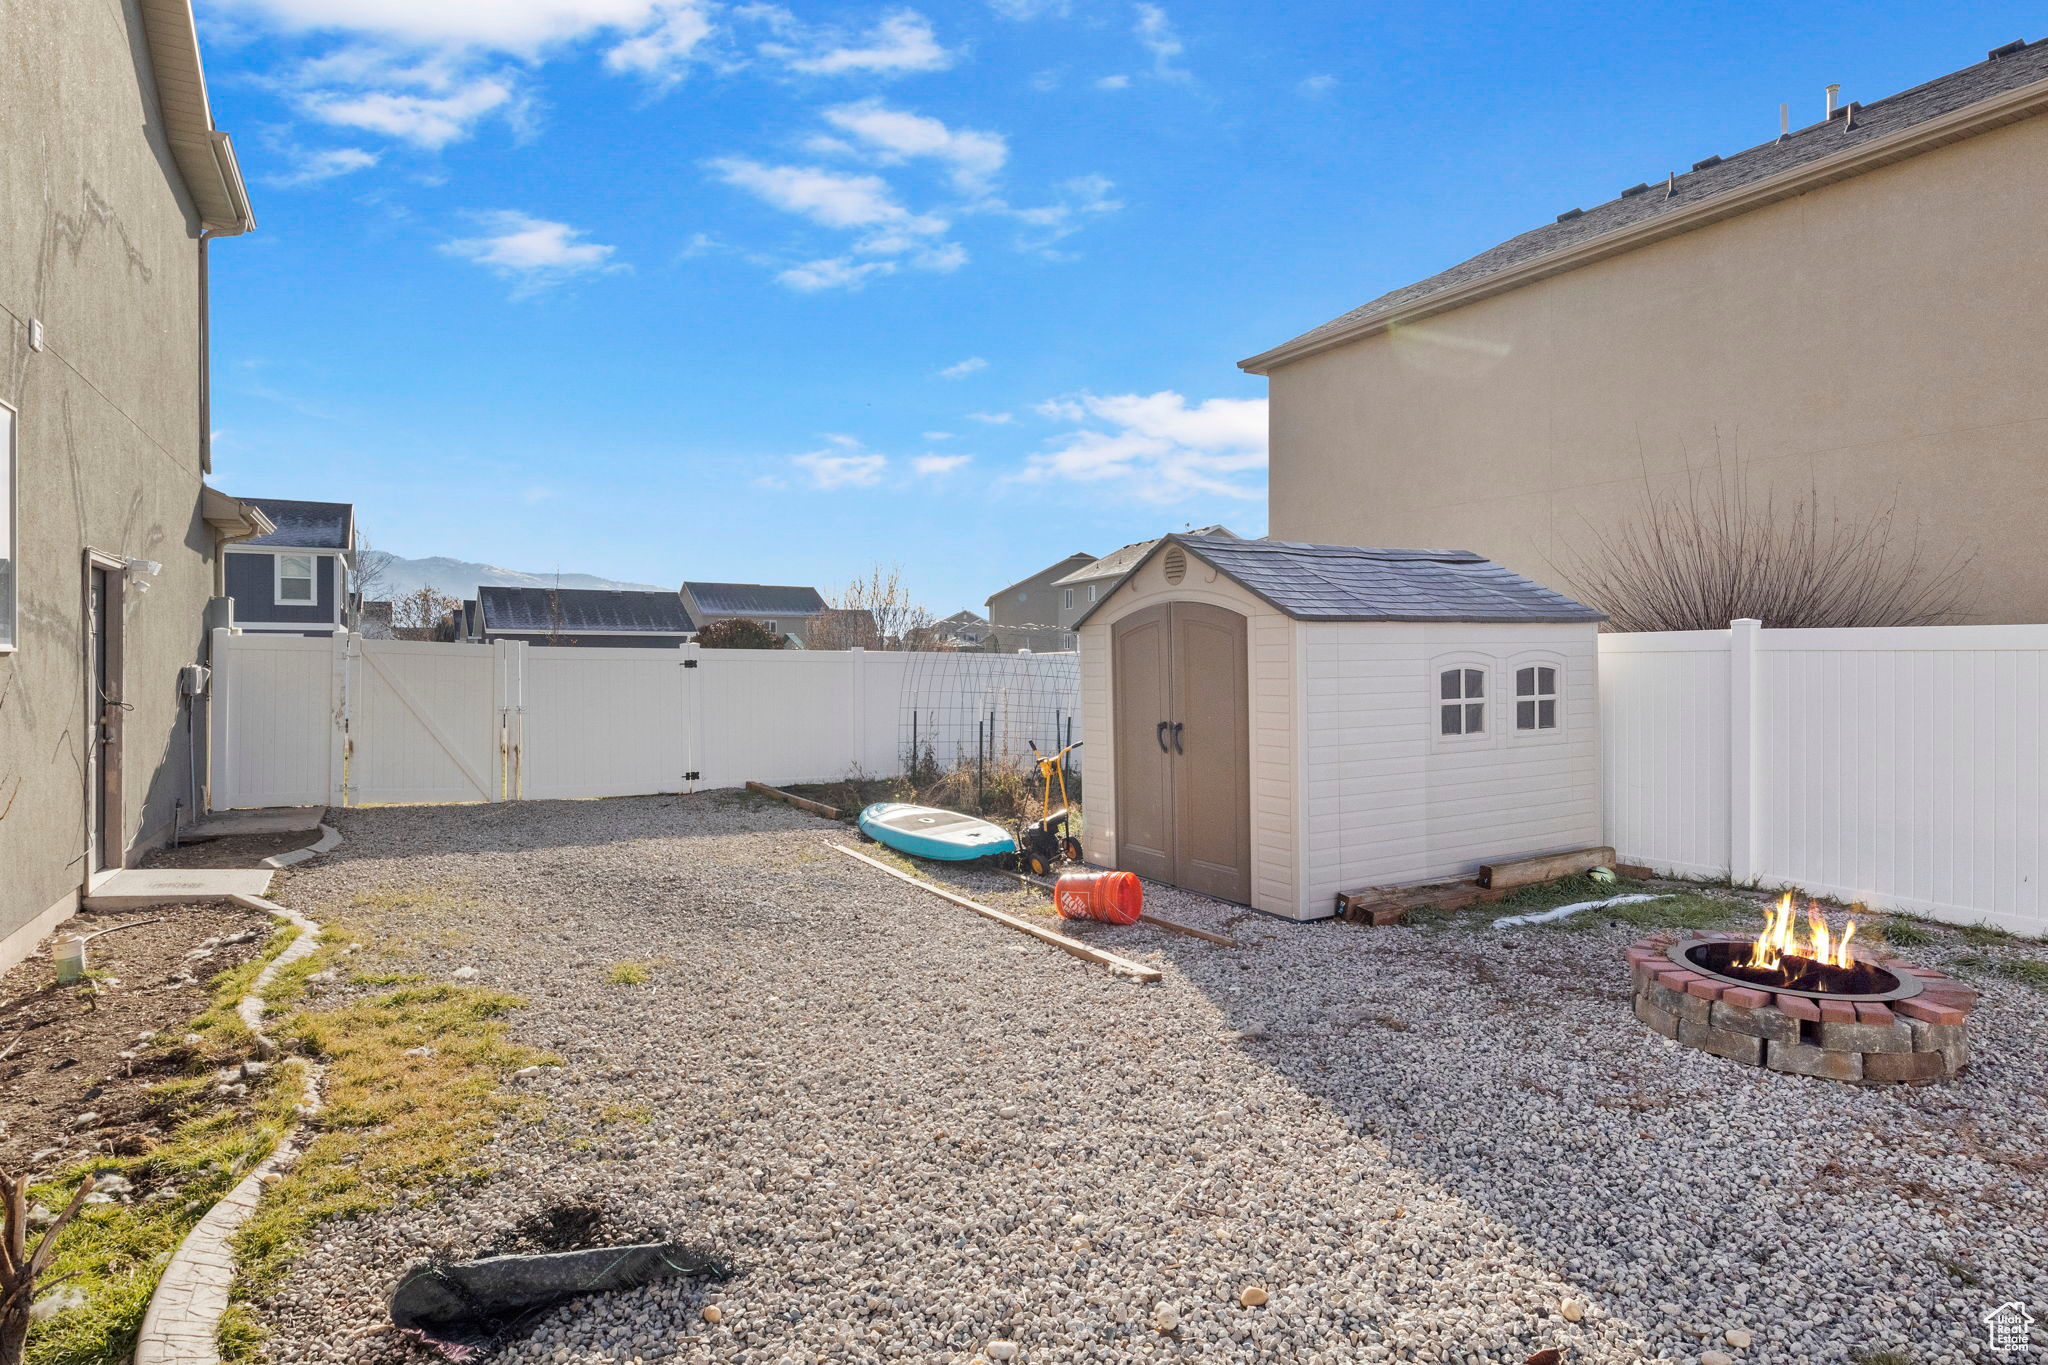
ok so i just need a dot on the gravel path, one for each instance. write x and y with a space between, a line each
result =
920 1134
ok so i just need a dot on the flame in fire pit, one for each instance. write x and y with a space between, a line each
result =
1781 939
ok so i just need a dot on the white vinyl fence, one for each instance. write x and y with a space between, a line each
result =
350 721
1904 768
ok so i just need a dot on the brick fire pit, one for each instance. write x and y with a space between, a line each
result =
1901 1025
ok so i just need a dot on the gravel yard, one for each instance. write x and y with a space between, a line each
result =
918 1133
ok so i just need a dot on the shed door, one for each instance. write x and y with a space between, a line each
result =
1182 748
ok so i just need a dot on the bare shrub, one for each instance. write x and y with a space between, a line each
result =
876 612
1716 553
417 615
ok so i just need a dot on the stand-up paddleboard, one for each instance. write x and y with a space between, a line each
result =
925 832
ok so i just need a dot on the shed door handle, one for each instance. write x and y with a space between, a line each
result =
1160 735
1176 739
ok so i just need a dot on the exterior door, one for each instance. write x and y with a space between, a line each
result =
1183 764
104 709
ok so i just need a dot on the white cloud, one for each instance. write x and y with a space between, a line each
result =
994 419
938 435
858 203
825 197
1031 9
1157 447
430 120
902 41
664 49
836 272
964 368
843 467
933 466
534 252
310 168
1156 34
1081 198
1315 87
1118 82
503 25
896 135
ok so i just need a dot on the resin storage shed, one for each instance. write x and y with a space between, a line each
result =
1273 723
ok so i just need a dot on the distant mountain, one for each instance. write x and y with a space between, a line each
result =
459 578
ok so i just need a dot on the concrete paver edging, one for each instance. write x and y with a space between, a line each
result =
329 840
182 1326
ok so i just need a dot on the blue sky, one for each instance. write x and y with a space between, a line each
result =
667 289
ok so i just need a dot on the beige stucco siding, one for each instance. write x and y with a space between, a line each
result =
1270 679
1876 339
1389 801
96 241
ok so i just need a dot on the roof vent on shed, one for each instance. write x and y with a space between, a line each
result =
1175 564
2016 45
1713 160
1570 214
1633 190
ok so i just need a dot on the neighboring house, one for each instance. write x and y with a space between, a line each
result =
1035 639
1084 587
1856 309
295 580
589 617
1034 601
787 611
963 630
114 180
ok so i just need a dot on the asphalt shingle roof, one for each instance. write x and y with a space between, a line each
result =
2017 67
756 599
1354 583
305 525
591 609
1118 562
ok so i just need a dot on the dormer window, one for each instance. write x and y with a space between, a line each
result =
1462 694
295 579
1535 698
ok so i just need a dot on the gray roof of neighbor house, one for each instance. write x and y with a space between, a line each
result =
1117 562
306 525
1853 127
605 610
1077 558
1354 583
965 617
756 599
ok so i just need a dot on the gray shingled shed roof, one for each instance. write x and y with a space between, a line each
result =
1117 562
1354 583
752 599
610 610
305 525
1855 124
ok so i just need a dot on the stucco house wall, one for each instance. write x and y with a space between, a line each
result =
1877 339
98 241
1034 601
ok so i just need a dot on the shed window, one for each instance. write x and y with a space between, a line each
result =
1463 693
1535 698
295 579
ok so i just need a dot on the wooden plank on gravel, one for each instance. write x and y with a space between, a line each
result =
1121 965
1549 867
814 807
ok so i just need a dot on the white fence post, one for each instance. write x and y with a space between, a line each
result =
338 736
220 701
1744 639
691 671
859 737
510 675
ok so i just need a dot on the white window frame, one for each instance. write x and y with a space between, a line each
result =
772 627
1067 600
312 577
1093 588
1511 679
1488 700
10 526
